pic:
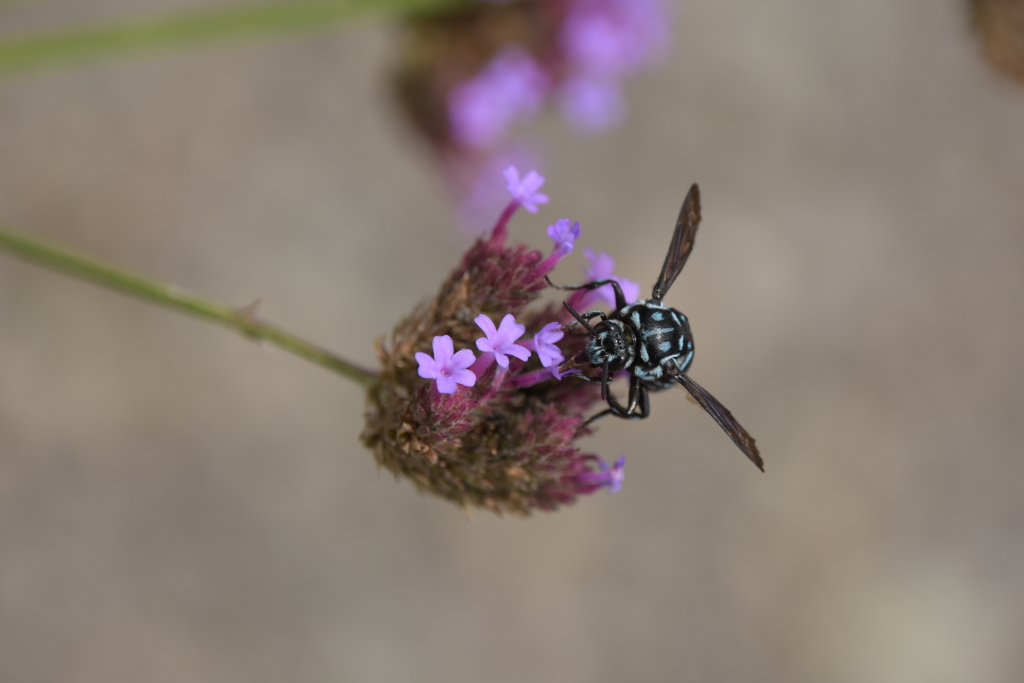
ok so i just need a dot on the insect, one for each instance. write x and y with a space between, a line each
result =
651 341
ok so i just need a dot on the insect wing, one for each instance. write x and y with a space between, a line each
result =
682 243
724 419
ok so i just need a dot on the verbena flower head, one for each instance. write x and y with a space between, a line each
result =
447 368
507 443
602 267
501 341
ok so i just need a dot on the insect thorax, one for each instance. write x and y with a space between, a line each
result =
662 339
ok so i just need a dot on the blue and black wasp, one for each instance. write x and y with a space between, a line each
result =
651 341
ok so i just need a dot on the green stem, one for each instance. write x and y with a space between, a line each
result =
196 25
242 320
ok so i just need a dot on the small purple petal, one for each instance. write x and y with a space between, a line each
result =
463 376
544 342
429 368
445 384
520 352
462 360
487 325
509 326
443 349
524 190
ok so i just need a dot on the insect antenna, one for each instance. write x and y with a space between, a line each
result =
579 318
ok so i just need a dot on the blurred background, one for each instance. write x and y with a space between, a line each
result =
179 504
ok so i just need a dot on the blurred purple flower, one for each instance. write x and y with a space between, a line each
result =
592 104
613 38
602 267
525 191
611 476
447 368
544 342
511 87
501 341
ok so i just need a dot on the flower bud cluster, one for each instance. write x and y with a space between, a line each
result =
496 430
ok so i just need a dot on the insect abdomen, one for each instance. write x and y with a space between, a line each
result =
663 334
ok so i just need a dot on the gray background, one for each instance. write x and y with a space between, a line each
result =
178 504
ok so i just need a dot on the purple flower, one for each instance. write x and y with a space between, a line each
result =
611 476
544 342
564 235
611 38
525 191
511 87
483 196
602 267
592 104
447 368
501 341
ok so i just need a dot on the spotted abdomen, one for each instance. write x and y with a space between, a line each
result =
664 335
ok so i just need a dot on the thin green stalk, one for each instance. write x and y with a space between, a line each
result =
63 260
197 25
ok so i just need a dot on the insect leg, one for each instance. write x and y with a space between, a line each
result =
605 393
637 397
606 411
620 298
634 394
645 403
